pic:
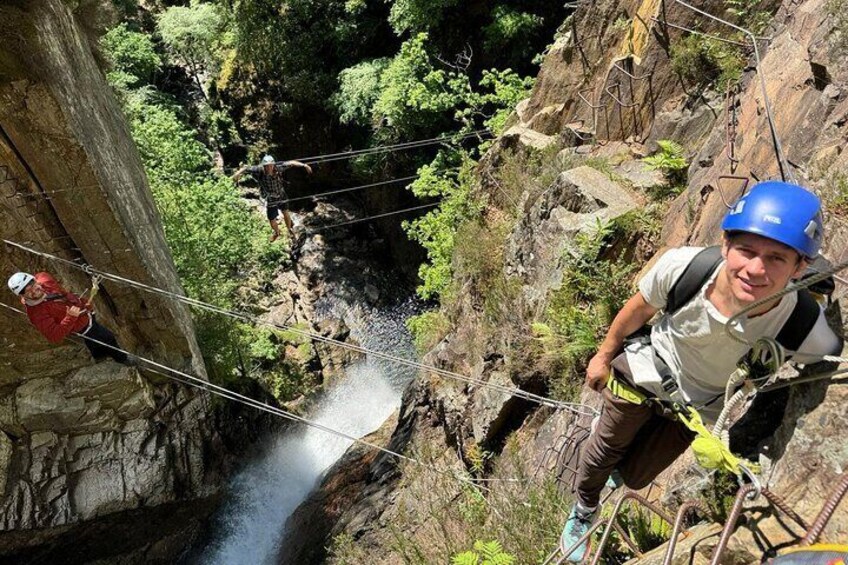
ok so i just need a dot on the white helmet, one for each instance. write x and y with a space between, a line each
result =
268 160
19 281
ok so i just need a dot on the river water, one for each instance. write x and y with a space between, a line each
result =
264 494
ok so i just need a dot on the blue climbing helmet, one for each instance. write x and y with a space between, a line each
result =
780 211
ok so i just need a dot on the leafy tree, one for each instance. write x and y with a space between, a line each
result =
132 56
436 231
359 88
414 94
498 94
193 35
508 32
417 15
214 237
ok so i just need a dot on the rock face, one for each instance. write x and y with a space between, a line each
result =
606 83
575 202
81 444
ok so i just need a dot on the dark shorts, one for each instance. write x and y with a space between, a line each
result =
274 205
273 211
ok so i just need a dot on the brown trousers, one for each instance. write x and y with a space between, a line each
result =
632 438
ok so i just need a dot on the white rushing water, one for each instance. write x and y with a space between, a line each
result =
268 490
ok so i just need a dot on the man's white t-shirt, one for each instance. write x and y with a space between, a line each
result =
693 342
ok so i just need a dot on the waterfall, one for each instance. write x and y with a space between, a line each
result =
265 493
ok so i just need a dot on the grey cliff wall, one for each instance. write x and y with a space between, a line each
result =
81 444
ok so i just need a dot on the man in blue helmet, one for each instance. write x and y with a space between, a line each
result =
770 236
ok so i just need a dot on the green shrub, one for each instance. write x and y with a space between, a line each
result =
485 553
417 15
436 231
671 162
344 550
428 329
750 14
593 290
643 527
699 60
359 89
132 56
194 35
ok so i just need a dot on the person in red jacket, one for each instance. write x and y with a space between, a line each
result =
57 313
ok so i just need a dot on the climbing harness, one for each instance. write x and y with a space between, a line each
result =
710 451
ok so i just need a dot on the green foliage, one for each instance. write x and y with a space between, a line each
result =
508 26
837 11
700 60
446 518
168 147
132 56
193 34
477 458
417 15
295 50
359 89
472 505
436 231
345 551
427 329
498 94
593 290
749 13
216 241
646 529
720 495
409 93
669 160
414 94
485 553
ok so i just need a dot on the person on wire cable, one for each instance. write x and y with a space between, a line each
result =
272 188
770 237
57 313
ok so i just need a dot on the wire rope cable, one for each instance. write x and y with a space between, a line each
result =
319 229
203 384
391 148
575 407
342 190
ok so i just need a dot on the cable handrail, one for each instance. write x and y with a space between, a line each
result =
331 157
319 229
575 407
223 392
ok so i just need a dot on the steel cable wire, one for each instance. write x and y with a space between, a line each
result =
203 384
249 318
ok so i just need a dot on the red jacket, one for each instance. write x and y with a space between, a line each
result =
50 316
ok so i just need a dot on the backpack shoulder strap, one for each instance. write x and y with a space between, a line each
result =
693 278
800 323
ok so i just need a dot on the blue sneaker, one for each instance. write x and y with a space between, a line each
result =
615 481
576 526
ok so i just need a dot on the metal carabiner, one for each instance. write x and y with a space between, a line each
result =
755 481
